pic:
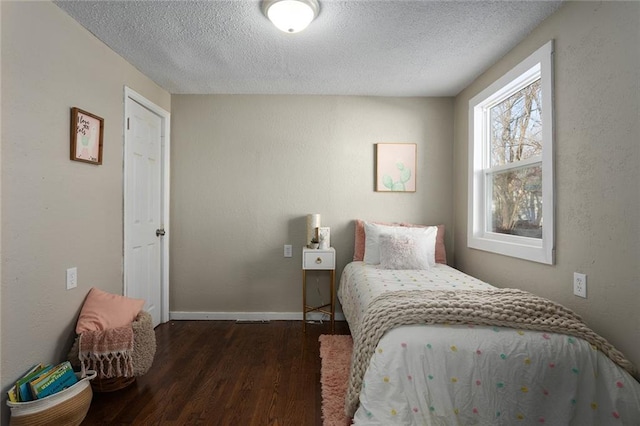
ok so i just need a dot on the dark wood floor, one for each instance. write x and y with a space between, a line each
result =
223 373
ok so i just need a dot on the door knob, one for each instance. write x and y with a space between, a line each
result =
159 232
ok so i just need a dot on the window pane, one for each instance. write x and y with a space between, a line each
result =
516 126
516 196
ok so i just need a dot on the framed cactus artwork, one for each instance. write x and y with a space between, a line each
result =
87 132
395 167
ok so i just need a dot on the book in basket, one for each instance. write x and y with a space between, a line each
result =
22 391
58 378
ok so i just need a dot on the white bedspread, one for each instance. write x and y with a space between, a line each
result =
464 375
361 283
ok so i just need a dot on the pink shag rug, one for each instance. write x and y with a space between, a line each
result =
335 354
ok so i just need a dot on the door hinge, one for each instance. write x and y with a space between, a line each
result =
127 123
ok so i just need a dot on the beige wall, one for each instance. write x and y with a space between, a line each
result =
597 102
57 213
246 170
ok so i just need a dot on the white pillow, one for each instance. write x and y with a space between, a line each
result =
372 233
403 252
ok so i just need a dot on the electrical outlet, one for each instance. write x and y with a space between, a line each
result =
580 284
288 250
72 278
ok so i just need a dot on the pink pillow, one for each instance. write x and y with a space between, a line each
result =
358 251
103 311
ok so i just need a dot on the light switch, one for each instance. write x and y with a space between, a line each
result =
288 250
72 278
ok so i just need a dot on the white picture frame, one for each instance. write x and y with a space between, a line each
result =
324 236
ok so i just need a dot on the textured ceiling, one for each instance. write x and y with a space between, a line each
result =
354 47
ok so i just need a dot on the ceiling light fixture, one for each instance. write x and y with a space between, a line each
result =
291 16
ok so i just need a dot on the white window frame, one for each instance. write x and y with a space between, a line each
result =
479 234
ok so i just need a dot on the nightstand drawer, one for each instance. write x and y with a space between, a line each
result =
318 259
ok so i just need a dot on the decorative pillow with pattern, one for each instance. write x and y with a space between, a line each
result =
372 237
403 252
359 243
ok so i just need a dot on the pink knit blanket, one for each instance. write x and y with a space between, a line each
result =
108 352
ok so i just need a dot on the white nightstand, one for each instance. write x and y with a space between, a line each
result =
318 260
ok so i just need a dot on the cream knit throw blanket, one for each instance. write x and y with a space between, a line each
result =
500 307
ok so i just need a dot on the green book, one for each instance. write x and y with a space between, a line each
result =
22 385
60 377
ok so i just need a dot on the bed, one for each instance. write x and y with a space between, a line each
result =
434 346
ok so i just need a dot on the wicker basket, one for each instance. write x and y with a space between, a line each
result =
67 407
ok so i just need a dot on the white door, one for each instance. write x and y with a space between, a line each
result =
144 227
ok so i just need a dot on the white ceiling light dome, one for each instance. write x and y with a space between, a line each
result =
291 16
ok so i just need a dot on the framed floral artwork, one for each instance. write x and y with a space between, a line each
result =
87 131
324 236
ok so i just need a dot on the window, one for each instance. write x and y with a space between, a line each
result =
511 162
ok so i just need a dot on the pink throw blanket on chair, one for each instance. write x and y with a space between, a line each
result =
108 352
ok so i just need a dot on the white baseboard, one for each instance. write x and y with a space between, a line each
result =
251 316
